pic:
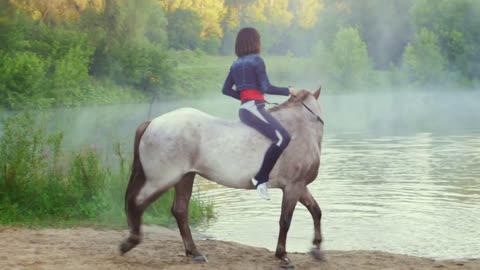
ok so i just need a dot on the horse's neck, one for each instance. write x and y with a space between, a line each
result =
294 120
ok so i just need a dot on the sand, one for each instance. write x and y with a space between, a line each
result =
88 248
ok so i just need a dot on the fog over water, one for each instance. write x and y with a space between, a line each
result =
376 113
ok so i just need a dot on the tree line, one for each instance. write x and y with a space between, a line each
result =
54 52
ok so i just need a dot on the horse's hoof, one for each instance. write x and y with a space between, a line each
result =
318 254
286 264
199 259
128 244
125 247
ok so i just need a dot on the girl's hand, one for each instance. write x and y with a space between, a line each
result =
292 91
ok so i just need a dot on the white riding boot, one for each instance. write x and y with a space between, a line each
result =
262 189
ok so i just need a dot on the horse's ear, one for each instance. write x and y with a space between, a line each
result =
317 93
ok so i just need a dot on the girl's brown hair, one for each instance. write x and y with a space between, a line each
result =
247 42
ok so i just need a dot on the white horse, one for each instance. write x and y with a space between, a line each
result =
171 149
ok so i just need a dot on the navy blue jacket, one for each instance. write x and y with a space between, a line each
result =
248 72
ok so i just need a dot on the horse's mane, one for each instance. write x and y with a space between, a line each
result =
292 101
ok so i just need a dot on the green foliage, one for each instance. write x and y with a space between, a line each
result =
350 63
30 169
156 25
197 74
130 38
306 12
40 181
385 26
184 27
70 72
73 51
46 65
14 28
48 70
107 92
423 60
144 66
457 26
210 14
22 77
211 45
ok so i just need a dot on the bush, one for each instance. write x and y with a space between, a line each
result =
40 182
31 171
22 77
145 66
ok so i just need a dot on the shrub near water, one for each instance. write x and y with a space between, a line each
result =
41 183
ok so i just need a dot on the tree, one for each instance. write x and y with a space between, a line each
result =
306 12
423 61
210 12
122 27
350 63
22 76
383 25
14 28
54 11
184 29
457 26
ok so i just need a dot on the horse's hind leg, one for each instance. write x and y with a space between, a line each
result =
309 202
183 192
133 211
138 199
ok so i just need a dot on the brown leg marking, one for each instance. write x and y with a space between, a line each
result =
183 192
309 202
290 199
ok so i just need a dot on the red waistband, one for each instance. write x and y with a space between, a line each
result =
251 94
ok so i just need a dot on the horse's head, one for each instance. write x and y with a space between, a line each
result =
307 102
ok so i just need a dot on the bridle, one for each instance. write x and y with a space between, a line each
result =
306 107
310 110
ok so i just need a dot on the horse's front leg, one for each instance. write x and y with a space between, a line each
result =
290 198
309 202
183 192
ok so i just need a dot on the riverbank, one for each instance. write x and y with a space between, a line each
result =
88 248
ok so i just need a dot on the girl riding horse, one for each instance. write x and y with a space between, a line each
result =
248 74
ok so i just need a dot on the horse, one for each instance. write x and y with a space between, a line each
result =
174 147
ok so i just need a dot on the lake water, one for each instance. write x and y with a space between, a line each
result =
400 172
417 195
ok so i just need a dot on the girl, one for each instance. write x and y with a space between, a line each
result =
249 76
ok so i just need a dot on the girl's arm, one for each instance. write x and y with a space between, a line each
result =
227 87
265 85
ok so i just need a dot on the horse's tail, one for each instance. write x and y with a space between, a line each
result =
137 176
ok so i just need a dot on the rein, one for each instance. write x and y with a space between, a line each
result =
318 117
306 107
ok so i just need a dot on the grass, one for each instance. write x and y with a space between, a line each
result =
41 184
199 75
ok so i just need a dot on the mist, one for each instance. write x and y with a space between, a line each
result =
389 113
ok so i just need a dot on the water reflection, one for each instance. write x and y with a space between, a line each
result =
417 195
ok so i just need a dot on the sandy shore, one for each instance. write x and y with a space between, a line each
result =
86 248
